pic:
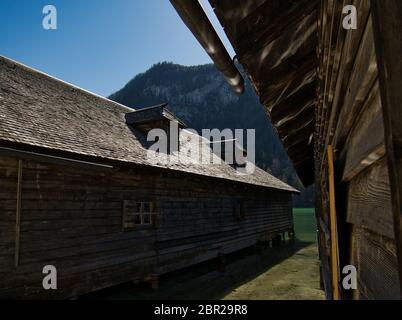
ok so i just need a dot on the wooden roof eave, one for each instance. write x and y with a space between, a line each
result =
276 43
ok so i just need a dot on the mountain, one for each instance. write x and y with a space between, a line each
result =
200 96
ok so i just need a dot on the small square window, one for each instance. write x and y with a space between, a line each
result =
239 211
137 219
138 214
146 206
146 218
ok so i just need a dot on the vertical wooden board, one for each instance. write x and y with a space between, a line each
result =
334 228
365 143
369 200
8 208
378 277
333 65
387 18
18 214
350 48
362 79
354 256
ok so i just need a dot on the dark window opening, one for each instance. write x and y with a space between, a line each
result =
138 214
240 211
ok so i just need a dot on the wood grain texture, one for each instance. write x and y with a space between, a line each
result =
387 17
369 200
276 42
349 114
365 144
72 218
376 264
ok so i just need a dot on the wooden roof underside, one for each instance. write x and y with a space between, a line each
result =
275 41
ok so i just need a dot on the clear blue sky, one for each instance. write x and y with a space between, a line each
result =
99 44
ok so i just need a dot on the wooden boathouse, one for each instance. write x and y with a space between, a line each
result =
78 192
334 95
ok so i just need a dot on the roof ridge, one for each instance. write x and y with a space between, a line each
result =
56 118
24 66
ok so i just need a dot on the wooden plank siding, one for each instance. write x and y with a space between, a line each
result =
350 117
387 19
72 218
323 85
375 259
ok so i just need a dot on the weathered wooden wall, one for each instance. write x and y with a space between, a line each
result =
350 118
72 218
313 75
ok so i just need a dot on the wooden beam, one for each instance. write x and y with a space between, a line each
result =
231 12
18 215
48 158
281 82
278 17
303 139
302 129
302 120
333 226
387 23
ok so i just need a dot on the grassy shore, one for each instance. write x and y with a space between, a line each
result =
295 277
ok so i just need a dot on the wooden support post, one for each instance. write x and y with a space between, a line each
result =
292 235
334 229
18 215
277 240
221 262
260 247
387 26
154 280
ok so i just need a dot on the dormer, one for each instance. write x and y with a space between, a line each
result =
157 117
230 151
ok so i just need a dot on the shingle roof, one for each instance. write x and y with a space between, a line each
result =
41 111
